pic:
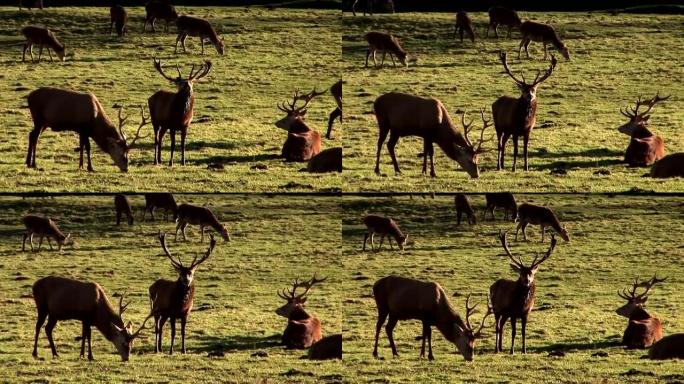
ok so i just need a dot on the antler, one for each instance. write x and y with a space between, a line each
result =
158 67
502 57
196 262
308 285
143 122
548 253
162 240
650 103
122 306
486 123
307 98
471 310
538 80
466 128
142 326
504 244
201 72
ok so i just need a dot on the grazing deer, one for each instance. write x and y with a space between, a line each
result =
385 43
43 38
644 148
543 33
196 215
367 7
401 115
669 347
538 215
327 348
336 91
516 117
329 160
171 300
643 329
503 200
464 25
118 18
515 299
31 4
161 200
173 111
403 298
123 207
302 329
384 226
302 143
669 166
462 205
196 27
45 228
503 16
64 110
159 10
59 298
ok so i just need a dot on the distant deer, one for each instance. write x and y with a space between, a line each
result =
503 16
161 200
403 298
643 329
401 115
159 10
302 143
329 160
64 110
45 228
193 26
462 205
543 33
384 226
31 4
123 207
336 91
464 26
327 348
303 329
503 200
669 166
538 215
515 299
171 300
516 116
385 43
367 7
43 38
118 18
173 111
196 215
59 299
669 347
644 148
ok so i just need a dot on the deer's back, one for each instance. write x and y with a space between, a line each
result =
41 225
66 298
160 10
35 34
462 203
642 333
161 200
669 166
378 224
63 107
408 114
644 152
194 26
503 15
329 347
194 214
407 298
121 204
536 214
383 41
500 199
537 31
669 347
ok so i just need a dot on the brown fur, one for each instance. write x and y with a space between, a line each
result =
329 347
669 166
301 146
502 16
118 18
42 37
31 4
159 10
329 160
302 330
45 228
669 347
385 43
503 200
336 91
464 26
161 200
538 215
462 205
123 207
196 215
196 27
543 33
383 226
643 329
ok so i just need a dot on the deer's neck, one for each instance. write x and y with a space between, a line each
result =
448 322
298 126
526 111
447 137
641 132
524 296
299 314
103 132
184 103
106 318
639 314
185 294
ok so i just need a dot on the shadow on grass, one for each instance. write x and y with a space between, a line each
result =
237 159
235 343
611 342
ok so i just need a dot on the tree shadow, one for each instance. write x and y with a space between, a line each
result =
205 344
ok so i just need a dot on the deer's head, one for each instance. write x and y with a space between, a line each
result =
186 274
62 241
636 301
467 156
639 120
295 115
528 91
185 84
119 148
526 272
467 334
293 300
124 336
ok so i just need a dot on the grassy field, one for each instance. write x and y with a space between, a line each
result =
273 241
233 144
612 240
614 60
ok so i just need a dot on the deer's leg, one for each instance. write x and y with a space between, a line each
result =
201 233
523 326
512 333
496 32
391 323
458 218
81 145
365 239
471 33
517 229
175 49
172 133
392 58
520 47
426 154
31 240
368 52
381 140
353 7
49 327
179 224
526 140
90 346
375 63
524 231
429 337
527 46
382 316
460 32
40 52
515 151
382 240
422 346
42 315
497 318
152 22
546 50
390 147
23 53
183 231
432 159
333 115
183 134
162 321
23 242
87 149
202 44
184 320
152 213
502 145
372 237
83 339
156 333
173 334
49 53
31 52
185 36
118 217
49 242
32 142
40 242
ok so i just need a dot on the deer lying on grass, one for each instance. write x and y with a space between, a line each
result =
171 300
329 160
503 200
643 329
543 33
401 115
538 215
45 228
669 166
118 18
159 10
402 298
516 116
462 205
669 347
123 207
173 111
196 27
464 26
59 298
515 299
644 148
302 143
161 200
302 330
385 43
327 348
196 215
383 226
503 16
43 38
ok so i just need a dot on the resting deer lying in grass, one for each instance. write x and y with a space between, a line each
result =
171 300
329 160
327 348
302 330
538 215
669 347
59 299
464 26
383 226
43 38
385 43
643 329
502 16
161 200
45 228
543 33
669 166
401 115
516 116
193 26
462 205
159 10
515 299
302 143
118 18
402 298
123 207
196 215
503 200
644 148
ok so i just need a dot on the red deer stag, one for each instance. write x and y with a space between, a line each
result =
45 228
329 160
503 16
163 200
538 215
196 215
302 143
503 200
327 348
403 298
515 299
384 226
173 111
543 33
59 299
669 347
462 206
302 329
123 207
118 18
43 38
171 300
385 43
644 148
516 117
64 110
196 27
669 166
643 329
464 26
159 10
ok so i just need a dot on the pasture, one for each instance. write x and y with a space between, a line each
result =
232 145
273 241
575 146
612 241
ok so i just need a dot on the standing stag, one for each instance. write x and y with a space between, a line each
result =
302 330
515 299
44 38
64 110
156 9
193 26
538 215
385 43
59 299
464 26
45 228
196 215
118 18
502 16
516 117
643 329
302 143
543 33
644 148
173 111
171 300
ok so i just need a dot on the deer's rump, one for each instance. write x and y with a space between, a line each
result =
301 146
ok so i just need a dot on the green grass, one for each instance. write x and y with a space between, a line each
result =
268 55
273 241
614 60
612 240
